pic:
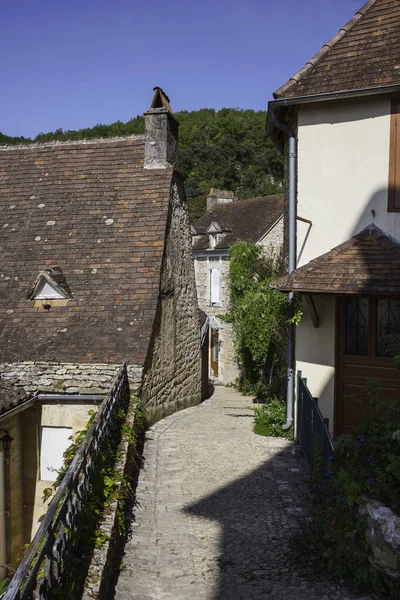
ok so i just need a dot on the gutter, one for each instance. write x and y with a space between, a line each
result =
74 397
95 398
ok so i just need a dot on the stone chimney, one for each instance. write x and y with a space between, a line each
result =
161 146
219 197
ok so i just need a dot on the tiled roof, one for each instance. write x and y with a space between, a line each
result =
248 220
11 396
90 209
369 263
364 54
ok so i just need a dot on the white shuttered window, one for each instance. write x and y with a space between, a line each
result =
215 287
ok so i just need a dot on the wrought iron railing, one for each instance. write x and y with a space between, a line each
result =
41 570
312 432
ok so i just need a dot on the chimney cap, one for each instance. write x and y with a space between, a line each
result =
160 100
226 194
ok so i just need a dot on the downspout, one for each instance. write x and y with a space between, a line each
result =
291 259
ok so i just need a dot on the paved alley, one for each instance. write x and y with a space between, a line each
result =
217 506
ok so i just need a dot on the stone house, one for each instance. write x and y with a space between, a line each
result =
225 222
96 266
337 122
96 270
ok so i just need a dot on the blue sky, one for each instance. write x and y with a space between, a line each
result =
75 63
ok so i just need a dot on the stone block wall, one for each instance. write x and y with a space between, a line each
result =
172 377
70 378
273 241
228 370
202 268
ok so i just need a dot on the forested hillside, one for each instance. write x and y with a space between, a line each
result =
225 149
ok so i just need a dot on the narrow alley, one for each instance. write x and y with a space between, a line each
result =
217 506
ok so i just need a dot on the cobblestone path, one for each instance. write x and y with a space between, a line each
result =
217 506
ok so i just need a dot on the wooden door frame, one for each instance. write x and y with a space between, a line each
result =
214 332
340 319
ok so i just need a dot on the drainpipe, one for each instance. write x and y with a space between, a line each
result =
3 540
292 260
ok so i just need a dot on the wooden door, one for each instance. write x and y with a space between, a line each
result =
363 327
214 352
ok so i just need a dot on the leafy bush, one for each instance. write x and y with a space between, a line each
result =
270 417
259 316
366 465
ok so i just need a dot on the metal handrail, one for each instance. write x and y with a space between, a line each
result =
50 543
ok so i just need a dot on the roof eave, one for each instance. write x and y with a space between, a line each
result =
274 105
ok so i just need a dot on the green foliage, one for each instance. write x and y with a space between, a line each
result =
366 465
225 149
109 487
259 316
3 585
270 417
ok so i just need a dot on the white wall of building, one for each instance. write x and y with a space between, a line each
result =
343 167
315 353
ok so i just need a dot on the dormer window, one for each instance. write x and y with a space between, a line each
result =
50 284
212 240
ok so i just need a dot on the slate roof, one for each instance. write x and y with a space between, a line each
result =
91 210
369 262
11 396
364 54
248 220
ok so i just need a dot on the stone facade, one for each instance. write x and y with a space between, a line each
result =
70 378
228 370
172 375
273 240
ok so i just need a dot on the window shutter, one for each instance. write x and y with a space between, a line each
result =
394 158
215 298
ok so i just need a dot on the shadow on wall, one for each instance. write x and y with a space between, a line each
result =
259 516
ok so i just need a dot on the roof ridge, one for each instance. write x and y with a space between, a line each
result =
56 143
310 64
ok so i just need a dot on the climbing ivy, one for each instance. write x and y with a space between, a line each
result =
259 315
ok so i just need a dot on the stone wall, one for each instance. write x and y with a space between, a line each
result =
273 241
172 378
383 536
202 267
70 378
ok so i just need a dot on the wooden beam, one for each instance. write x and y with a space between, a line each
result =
313 310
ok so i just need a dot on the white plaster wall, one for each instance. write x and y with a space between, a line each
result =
315 353
343 164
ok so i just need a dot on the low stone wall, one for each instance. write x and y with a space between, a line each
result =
70 378
383 535
105 562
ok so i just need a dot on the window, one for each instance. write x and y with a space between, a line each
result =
54 442
215 287
394 158
369 324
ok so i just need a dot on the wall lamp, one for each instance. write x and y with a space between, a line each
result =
6 440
